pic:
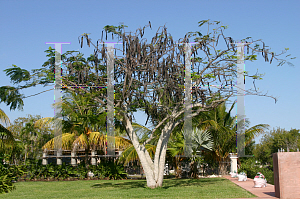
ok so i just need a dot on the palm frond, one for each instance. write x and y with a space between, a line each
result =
97 139
130 154
67 140
4 118
122 143
81 142
202 138
46 121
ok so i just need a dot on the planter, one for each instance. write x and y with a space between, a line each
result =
233 175
259 182
242 177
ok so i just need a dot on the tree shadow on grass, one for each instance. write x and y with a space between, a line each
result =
190 182
122 184
167 183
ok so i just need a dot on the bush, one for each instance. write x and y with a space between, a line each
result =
106 169
248 165
6 184
109 170
8 174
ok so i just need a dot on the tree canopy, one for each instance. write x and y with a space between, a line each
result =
148 76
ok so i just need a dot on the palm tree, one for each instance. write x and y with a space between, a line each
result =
86 141
84 126
222 127
201 140
6 137
130 154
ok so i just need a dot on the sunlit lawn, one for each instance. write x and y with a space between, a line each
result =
172 188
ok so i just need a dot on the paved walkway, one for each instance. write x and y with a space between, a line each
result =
266 192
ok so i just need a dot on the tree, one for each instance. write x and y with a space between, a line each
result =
83 126
151 77
201 140
222 126
31 134
274 140
7 140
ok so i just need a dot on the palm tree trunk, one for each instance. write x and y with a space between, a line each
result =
25 154
194 170
222 168
177 167
86 157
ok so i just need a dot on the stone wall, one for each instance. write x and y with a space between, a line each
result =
286 166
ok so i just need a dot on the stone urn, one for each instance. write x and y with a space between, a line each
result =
260 182
233 175
242 177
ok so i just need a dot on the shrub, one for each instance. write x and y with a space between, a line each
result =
110 170
248 165
8 174
6 184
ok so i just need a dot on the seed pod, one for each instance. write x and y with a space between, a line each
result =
81 41
217 40
87 40
106 35
123 44
231 42
102 36
247 48
150 24
103 51
141 34
272 57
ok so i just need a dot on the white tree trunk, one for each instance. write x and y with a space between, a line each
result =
154 171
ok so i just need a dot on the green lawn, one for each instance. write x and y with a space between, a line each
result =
172 188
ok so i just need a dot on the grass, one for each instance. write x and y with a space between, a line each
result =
172 188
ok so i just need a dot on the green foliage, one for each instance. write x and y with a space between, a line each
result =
31 134
249 166
11 96
273 141
114 29
111 170
8 174
6 184
17 74
34 170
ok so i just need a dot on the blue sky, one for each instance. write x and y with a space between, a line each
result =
27 25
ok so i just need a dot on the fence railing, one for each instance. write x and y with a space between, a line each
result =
75 156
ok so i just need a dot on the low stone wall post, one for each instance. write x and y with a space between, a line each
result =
45 157
233 162
73 158
93 157
59 157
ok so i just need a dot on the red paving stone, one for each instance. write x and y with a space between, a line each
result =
266 192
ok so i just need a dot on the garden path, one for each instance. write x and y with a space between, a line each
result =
266 192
